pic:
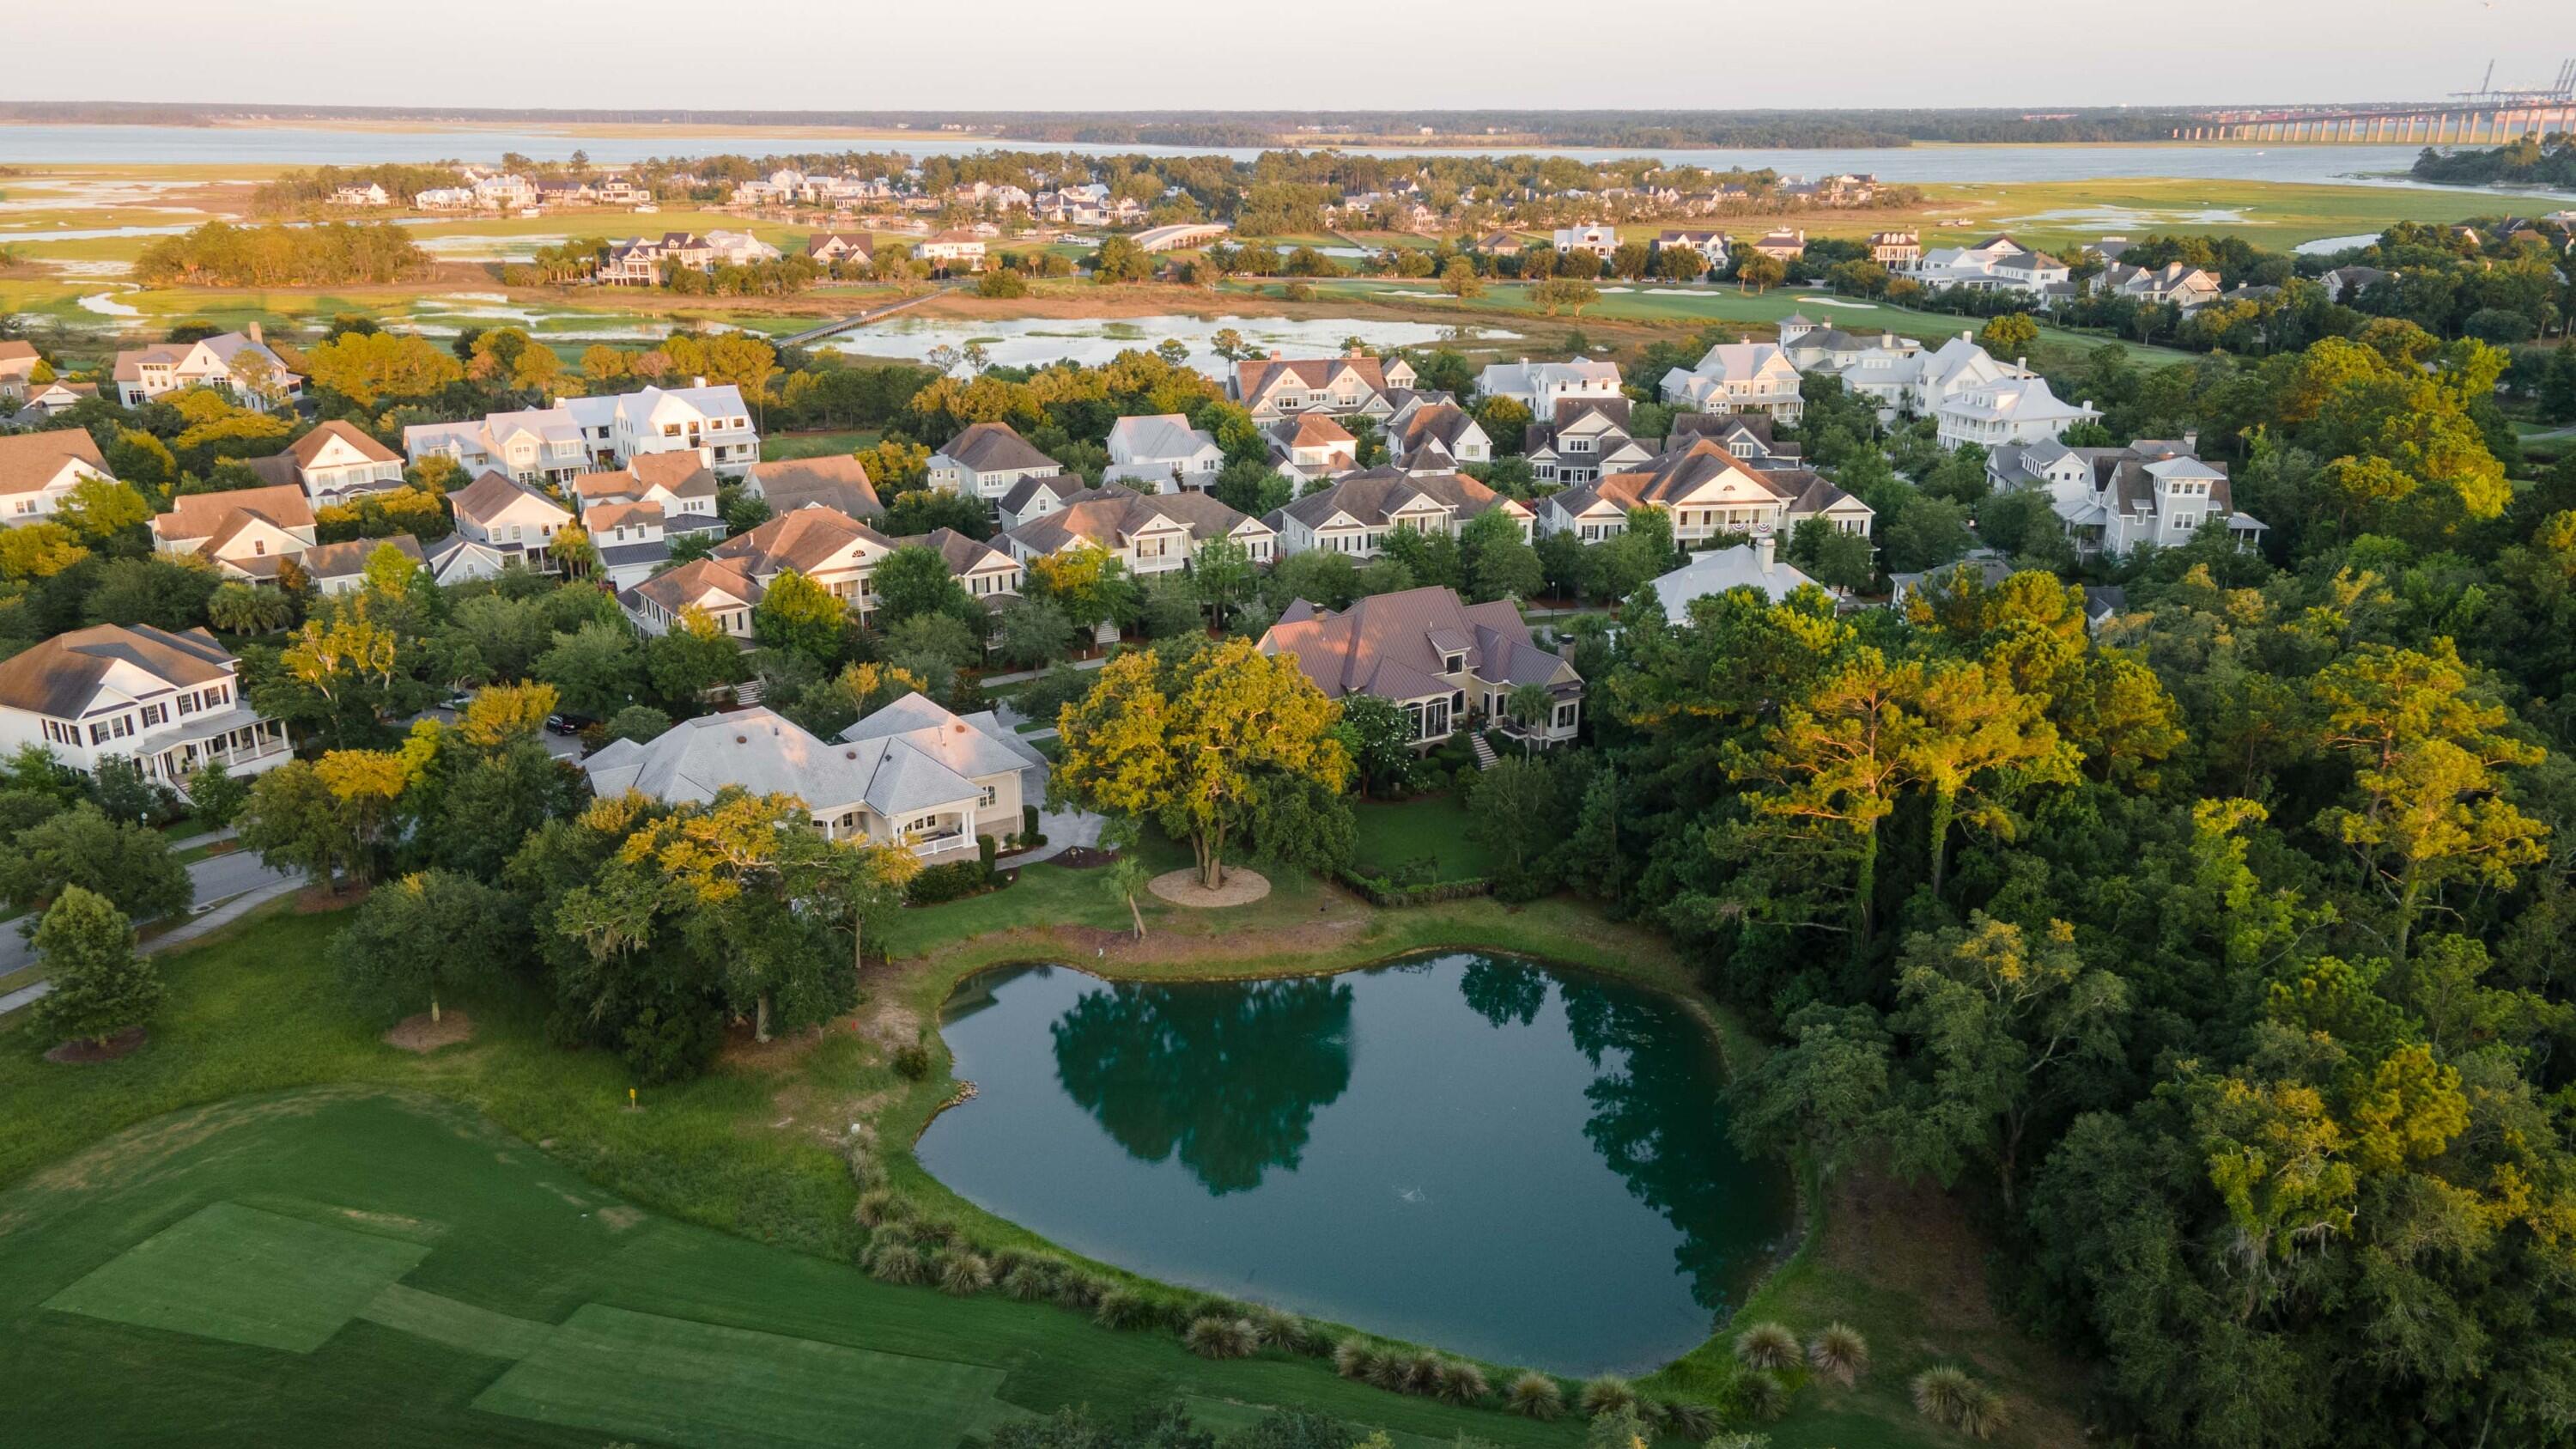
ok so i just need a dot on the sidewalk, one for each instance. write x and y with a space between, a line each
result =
228 910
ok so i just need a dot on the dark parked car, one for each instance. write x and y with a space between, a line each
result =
569 723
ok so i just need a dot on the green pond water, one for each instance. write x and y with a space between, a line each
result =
1481 1152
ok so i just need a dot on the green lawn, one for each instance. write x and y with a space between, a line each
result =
780 447
1393 835
370 1267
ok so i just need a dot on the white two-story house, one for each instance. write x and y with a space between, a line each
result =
2111 500
1708 493
511 518
1274 387
1148 534
167 701
1163 450
39 470
1738 377
986 460
1540 386
248 533
333 464
1355 515
238 364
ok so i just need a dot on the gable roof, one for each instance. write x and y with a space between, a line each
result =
309 447
799 540
1159 435
60 676
1380 493
487 496
834 482
29 461
337 560
1256 376
216 516
1390 645
1109 516
996 447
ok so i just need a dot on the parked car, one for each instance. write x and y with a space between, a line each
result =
565 722
458 700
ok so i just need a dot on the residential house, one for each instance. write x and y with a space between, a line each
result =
1274 387
825 545
985 461
721 588
1898 251
341 568
1738 377
370 194
1595 237
834 482
39 470
1499 244
169 702
1439 659
1584 439
50 400
248 533
679 420
456 559
1037 497
2184 286
740 249
532 445
510 517
681 486
1715 571
645 261
239 364
952 251
1311 446
1713 247
1708 493
2009 410
1355 514
1996 264
18 364
1437 439
623 191
1540 386
632 539
506 191
334 463
911 774
2346 284
1748 437
1787 243
1163 450
2111 500
839 246
1148 533
1986 565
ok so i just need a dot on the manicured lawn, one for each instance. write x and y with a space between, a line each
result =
1394 835
780 447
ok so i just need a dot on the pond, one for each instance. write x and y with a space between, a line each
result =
1037 341
1480 1152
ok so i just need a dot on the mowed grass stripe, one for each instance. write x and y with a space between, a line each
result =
245 1276
706 1387
455 1325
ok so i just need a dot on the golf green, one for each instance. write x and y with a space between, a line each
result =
244 1276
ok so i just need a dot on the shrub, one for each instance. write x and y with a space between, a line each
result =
1606 1393
1122 1308
964 1274
1981 1413
985 850
1214 1337
1387 1369
1028 1283
1356 1358
1534 1395
878 1208
912 1061
1766 1346
1029 822
1682 1419
1457 1381
1760 1394
1281 1330
939 884
1941 1393
1079 1290
1839 1353
896 1261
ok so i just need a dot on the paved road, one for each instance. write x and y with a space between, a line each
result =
238 876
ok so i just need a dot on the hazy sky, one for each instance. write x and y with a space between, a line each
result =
1123 54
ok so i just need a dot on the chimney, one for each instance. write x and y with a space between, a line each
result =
252 331
2191 441
697 382
2021 364
1762 546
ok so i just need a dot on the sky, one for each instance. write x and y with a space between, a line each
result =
1408 54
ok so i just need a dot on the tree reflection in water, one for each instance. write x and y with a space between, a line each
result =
1228 1077
1655 1121
1505 991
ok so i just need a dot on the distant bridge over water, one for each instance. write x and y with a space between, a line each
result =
2483 117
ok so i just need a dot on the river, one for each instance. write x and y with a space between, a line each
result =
52 144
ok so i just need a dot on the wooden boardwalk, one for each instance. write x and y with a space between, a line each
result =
844 324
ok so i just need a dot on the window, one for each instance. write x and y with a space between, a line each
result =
992 793
154 714
1453 663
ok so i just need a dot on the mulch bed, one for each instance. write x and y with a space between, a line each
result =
420 1034
1083 857
109 1050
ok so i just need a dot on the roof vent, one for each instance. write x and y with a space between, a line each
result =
849 754
742 739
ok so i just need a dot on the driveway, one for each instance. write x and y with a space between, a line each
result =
238 878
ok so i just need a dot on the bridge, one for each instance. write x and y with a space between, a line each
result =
2483 117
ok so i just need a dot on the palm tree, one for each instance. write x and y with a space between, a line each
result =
1529 706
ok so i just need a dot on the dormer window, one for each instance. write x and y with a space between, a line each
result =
1453 663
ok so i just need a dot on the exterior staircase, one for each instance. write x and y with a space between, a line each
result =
1484 750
